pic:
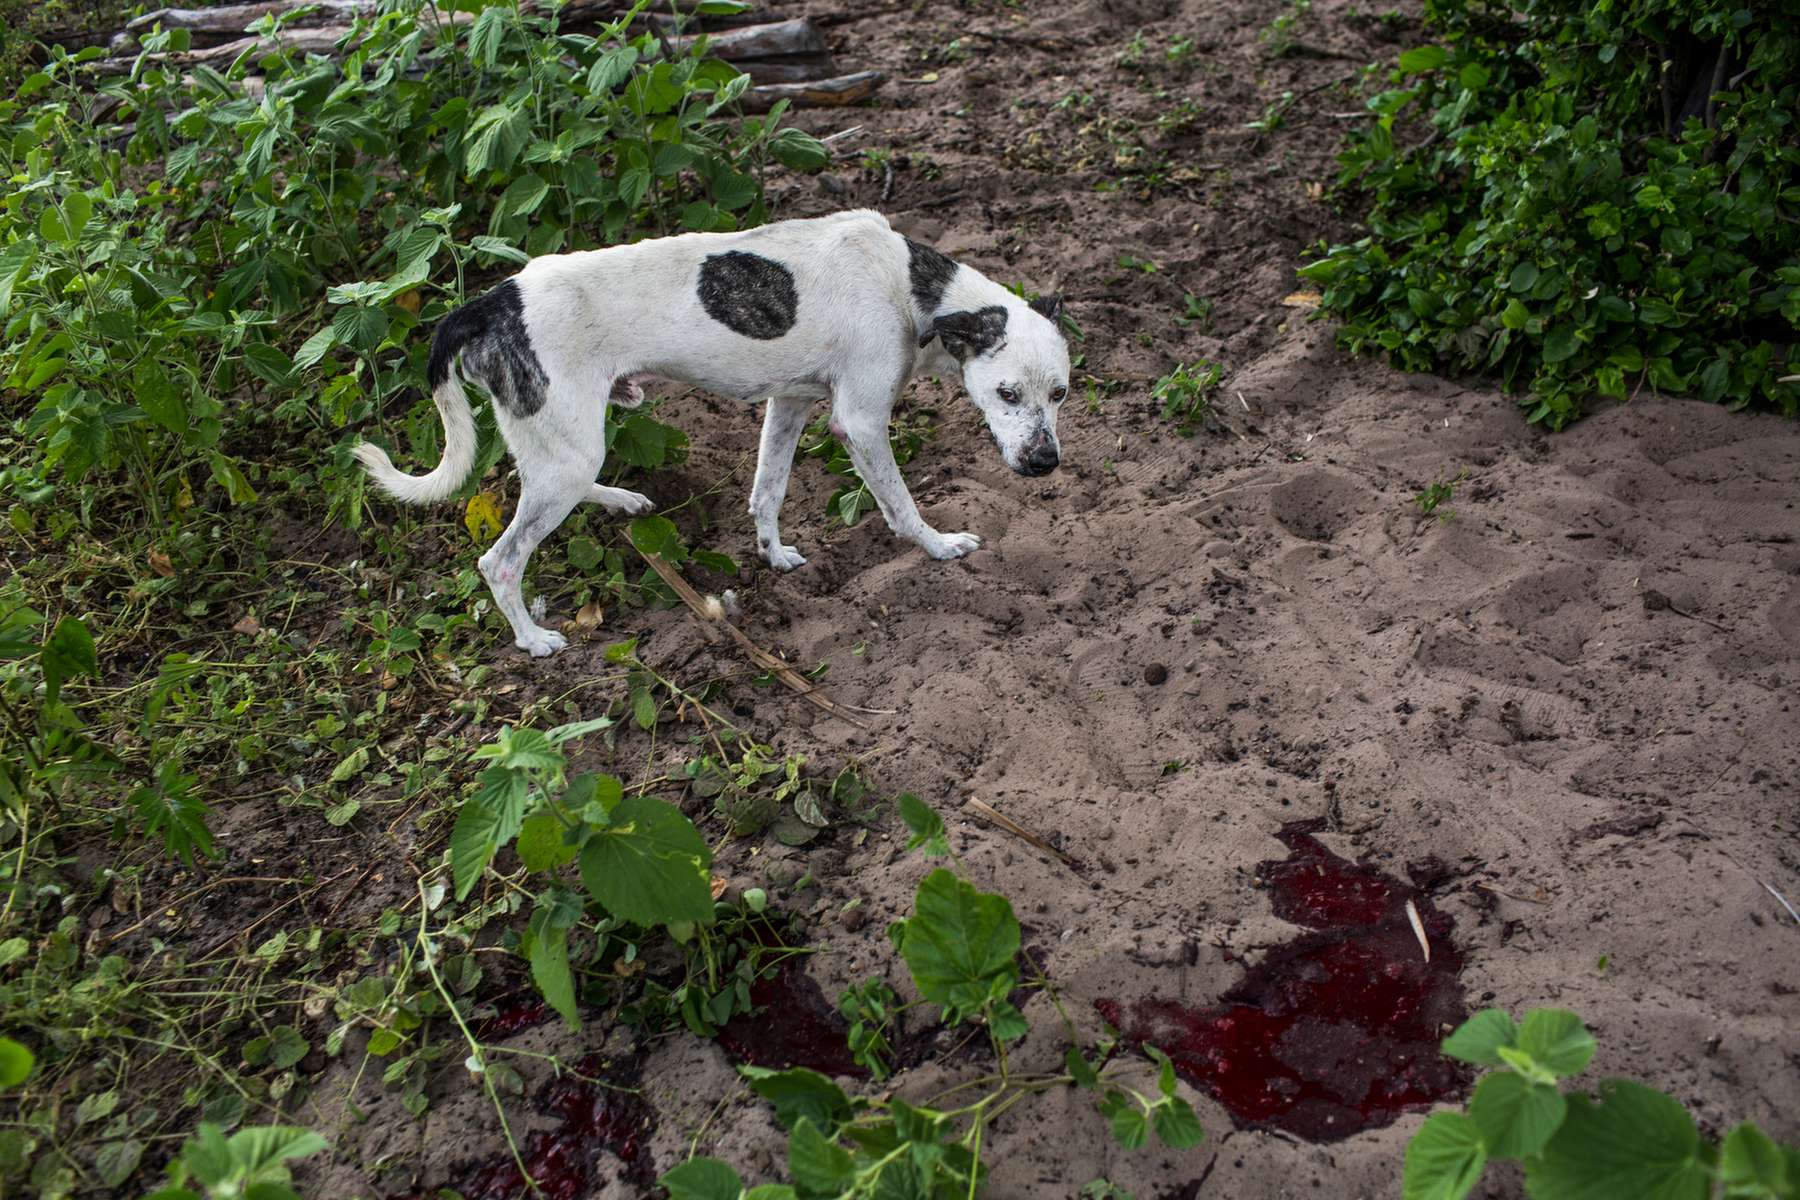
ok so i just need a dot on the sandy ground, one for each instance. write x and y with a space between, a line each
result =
1606 775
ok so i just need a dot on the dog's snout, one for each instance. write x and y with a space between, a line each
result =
1041 457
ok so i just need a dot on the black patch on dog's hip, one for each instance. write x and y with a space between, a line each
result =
931 274
489 332
749 294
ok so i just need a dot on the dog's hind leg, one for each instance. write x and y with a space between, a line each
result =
783 422
555 475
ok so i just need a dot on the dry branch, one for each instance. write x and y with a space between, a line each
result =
791 678
755 41
825 93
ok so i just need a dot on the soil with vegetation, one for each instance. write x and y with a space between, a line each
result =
1306 609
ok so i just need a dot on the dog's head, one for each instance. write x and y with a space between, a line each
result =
1015 367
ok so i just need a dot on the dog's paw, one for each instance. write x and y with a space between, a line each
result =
953 545
784 558
541 643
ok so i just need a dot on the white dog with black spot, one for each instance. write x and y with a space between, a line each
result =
839 306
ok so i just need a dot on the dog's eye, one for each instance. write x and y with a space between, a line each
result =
1059 395
1008 395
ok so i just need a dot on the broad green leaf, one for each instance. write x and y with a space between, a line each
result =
1557 1041
269 364
658 536
262 1146
541 844
160 399
1176 1125
15 1063
1444 1160
1478 1040
1129 1125
286 1047
228 475
1751 1164
703 1179
495 138
351 765
550 966
486 35
1633 1144
612 68
360 327
800 150
1515 1116
68 652
1523 278
116 1161
816 1163
1079 1069
489 819
798 1093
500 248
1422 59
926 826
959 944
650 866
1560 344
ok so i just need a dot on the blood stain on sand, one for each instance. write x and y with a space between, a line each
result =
565 1160
1334 1032
790 1025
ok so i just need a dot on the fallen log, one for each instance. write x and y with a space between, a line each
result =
823 93
798 36
235 18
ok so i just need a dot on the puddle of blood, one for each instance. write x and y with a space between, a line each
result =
1334 1032
790 1025
513 1016
564 1160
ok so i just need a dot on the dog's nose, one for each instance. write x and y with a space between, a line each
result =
1042 460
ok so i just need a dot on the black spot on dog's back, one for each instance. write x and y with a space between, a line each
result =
749 294
931 273
489 332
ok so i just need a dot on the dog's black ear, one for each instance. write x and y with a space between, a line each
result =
1049 307
969 334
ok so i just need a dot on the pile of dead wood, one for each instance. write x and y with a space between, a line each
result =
785 58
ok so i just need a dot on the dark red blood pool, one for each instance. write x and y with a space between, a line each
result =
790 1025
1334 1032
565 1159
513 1016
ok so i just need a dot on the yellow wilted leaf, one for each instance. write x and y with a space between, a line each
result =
482 516
409 300
1302 300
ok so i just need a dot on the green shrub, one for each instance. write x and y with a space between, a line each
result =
185 260
1584 199
1629 1142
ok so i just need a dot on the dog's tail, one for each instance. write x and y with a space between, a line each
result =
441 482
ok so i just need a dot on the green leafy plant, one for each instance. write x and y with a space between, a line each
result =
1186 394
1433 496
907 434
1577 249
251 1163
961 949
1626 1141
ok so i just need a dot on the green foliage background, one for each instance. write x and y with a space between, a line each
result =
1544 204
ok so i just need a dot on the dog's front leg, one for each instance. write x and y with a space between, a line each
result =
783 422
866 437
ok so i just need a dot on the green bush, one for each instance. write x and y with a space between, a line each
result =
1585 199
193 269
